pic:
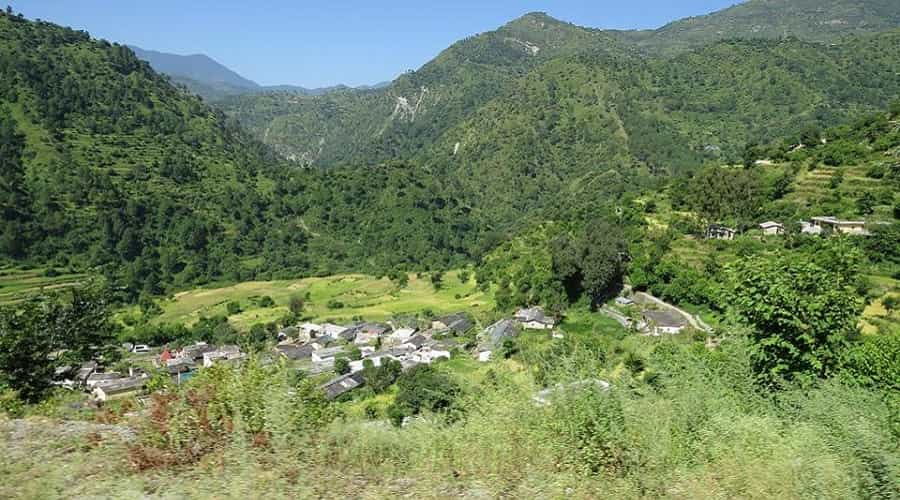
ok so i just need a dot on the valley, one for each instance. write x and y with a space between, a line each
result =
554 261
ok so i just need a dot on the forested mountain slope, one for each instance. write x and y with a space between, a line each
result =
104 163
367 127
665 114
812 20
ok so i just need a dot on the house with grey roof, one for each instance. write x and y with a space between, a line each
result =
720 232
121 387
772 228
294 352
534 318
493 336
343 384
456 323
663 322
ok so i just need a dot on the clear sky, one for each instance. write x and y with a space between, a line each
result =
325 42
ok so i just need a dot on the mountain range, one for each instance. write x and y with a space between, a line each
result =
212 81
108 166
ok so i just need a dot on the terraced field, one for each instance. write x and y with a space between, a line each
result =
334 298
17 284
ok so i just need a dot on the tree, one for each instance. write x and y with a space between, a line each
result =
802 315
437 280
379 378
591 263
866 203
25 349
296 304
233 307
422 388
342 366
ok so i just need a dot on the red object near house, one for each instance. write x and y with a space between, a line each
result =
165 356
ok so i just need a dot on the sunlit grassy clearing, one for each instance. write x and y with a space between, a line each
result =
361 296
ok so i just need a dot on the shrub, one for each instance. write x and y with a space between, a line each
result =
233 308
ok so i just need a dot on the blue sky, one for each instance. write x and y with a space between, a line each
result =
320 43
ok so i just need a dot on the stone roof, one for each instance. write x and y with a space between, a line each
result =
295 352
340 385
665 318
494 335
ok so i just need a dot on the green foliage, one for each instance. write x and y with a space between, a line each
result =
77 322
875 362
802 315
342 366
422 388
379 378
233 308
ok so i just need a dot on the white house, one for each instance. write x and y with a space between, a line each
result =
852 227
484 356
772 228
333 331
534 319
428 355
664 322
402 334
224 353
323 355
377 358
310 330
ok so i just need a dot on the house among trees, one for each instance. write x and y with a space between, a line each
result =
720 232
343 384
493 336
663 322
534 318
833 225
771 228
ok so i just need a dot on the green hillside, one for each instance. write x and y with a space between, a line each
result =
107 167
812 20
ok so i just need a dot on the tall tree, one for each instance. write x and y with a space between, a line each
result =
802 315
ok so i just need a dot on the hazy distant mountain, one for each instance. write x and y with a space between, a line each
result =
213 81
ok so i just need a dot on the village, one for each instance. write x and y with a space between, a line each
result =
345 351
816 226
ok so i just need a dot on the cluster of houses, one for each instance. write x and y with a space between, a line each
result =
319 346
178 364
825 225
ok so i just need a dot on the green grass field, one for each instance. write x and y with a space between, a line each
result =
18 284
361 296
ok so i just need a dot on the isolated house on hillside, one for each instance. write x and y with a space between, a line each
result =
534 319
771 228
720 232
664 322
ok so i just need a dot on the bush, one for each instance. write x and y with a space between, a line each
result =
334 304
422 388
266 301
233 308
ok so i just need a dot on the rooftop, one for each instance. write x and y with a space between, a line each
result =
665 318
